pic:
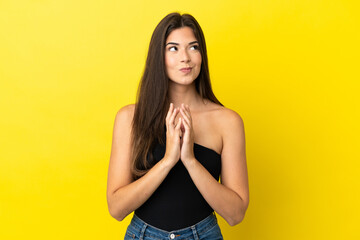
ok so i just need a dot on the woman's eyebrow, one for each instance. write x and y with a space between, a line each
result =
179 44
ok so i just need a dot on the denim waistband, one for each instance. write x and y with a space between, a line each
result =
192 231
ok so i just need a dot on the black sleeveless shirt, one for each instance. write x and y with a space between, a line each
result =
177 203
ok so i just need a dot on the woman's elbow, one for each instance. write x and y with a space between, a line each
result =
115 211
238 217
115 214
236 220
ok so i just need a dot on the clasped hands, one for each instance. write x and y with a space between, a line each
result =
179 135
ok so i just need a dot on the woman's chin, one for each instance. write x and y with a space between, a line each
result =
184 82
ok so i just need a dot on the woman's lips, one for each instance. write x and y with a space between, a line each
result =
186 70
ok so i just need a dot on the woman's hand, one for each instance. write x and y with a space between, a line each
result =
187 145
173 133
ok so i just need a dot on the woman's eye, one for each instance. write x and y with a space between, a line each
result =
171 48
195 47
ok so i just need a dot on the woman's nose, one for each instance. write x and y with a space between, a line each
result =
185 56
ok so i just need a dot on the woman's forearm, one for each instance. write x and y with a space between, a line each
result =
128 198
226 202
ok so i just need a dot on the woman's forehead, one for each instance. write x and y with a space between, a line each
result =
184 35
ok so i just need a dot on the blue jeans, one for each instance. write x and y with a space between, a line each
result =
207 229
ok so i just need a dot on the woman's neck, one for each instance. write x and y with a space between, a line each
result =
185 94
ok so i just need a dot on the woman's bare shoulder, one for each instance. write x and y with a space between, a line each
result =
125 114
222 113
127 109
226 117
230 115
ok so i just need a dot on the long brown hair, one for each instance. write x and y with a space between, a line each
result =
148 126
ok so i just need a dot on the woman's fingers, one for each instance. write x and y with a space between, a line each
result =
172 117
186 122
186 115
184 110
190 118
186 118
169 112
172 114
178 125
187 152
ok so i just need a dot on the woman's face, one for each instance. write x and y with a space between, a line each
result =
182 56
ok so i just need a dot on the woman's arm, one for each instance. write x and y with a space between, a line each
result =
123 194
231 198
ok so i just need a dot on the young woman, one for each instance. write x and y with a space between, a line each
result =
170 148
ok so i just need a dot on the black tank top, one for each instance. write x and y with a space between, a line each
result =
177 203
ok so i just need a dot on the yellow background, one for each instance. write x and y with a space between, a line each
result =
289 68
